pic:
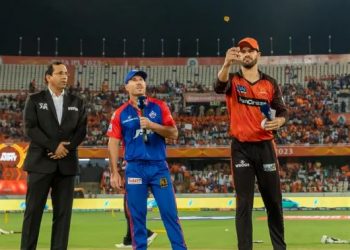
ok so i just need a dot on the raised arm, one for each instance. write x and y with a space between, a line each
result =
233 56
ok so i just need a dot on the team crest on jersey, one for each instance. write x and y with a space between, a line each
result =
163 182
152 114
134 181
241 89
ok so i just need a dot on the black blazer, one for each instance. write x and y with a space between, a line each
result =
45 133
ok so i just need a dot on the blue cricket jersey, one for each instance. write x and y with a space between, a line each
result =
125 125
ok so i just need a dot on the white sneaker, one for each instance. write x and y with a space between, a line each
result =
331 240
151 238
324 239
121 245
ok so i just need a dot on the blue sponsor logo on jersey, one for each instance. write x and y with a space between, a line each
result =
241 89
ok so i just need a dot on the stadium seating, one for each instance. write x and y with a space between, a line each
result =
17 76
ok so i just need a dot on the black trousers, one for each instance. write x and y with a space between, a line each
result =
62 190
257 160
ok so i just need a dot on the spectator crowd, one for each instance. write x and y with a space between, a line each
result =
216 177
205 124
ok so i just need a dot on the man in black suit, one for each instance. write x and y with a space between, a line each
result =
55 122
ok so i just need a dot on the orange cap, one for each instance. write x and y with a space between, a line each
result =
249 42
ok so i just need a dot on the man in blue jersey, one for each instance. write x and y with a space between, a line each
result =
142 131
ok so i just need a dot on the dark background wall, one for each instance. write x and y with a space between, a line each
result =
91 20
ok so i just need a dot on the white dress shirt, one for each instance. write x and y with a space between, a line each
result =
58 102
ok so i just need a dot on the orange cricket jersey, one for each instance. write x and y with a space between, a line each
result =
243 101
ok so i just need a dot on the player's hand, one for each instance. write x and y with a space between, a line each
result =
60 151
52 156
274 124
233 56
116 180
145 123
55 157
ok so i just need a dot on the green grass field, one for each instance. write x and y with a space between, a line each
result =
101 230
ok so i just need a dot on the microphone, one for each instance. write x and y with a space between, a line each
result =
141 104
265 109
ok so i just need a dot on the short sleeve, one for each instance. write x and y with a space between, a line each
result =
115 129
167 118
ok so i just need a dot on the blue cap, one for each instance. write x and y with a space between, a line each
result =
133 73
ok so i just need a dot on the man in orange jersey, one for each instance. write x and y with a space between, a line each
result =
249 95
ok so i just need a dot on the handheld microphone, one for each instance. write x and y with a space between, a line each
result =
141 104
265 109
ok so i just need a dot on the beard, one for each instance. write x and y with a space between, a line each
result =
251 64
